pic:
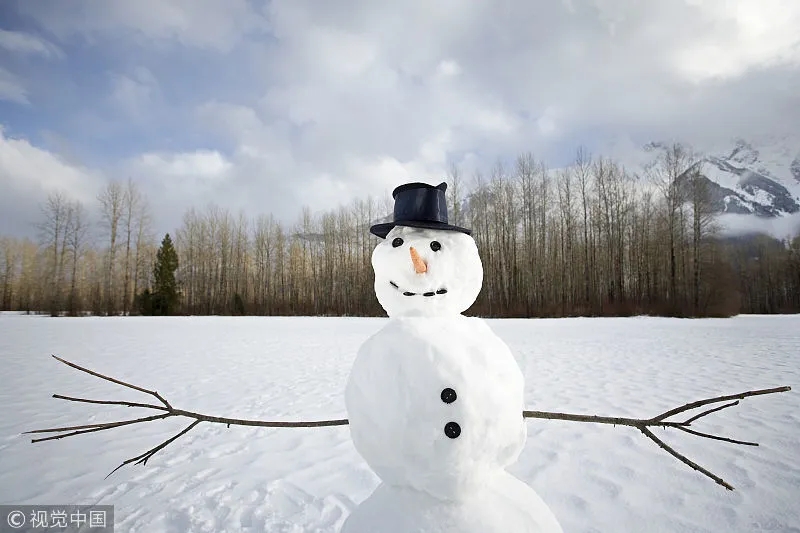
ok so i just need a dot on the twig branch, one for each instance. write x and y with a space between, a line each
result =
715 437
90 428
714 410
118 382
169 411
660 420
682 458
700 403
642 425
142 459
106 402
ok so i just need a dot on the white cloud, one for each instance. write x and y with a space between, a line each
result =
12 89
26 43
747 34
784 227
351 108
28 174
344 99
201 165
448 68
24 166
134 93
548 122
177 181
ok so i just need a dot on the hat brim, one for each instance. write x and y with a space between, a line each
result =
382 230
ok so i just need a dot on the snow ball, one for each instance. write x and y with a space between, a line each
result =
450 283
402 419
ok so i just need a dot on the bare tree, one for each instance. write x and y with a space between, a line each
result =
52 234
665 173
456 193
131 205
76 243
526 173
30 281
263 250
9 260
566 198
703 225
145 245
582 169
112 199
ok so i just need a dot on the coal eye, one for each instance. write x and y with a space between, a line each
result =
397 242
436 246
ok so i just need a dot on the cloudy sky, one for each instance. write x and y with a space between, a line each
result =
269 106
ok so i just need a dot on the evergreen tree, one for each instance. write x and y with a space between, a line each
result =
144 303
164 298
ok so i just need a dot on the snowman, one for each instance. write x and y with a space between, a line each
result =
435 399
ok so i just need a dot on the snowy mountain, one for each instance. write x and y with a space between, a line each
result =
764 182
752 178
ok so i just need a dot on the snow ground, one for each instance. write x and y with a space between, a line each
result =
594 478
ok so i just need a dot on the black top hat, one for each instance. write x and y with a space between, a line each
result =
418 205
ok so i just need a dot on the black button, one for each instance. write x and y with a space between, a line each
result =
452 430
449 395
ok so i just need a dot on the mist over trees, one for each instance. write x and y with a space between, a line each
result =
590 239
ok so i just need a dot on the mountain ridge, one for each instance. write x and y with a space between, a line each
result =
757 178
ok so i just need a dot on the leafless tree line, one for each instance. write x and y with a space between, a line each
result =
590 239
77 266
595 239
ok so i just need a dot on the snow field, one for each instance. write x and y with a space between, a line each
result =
594 478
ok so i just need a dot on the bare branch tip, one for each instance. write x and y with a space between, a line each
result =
117 468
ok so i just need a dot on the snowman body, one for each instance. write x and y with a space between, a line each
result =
435 400
438 405
504 505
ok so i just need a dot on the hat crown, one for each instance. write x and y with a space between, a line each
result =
418 205
420 202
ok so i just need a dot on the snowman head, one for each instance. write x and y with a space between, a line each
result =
425 266
426 272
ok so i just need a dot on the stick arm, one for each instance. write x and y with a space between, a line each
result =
163 409
661 420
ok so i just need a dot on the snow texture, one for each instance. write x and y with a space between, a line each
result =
596 479
503 505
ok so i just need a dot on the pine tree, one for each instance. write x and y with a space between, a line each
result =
164 299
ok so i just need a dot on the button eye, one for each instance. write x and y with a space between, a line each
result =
397 242
436 246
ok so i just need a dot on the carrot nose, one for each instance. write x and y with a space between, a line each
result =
419 264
